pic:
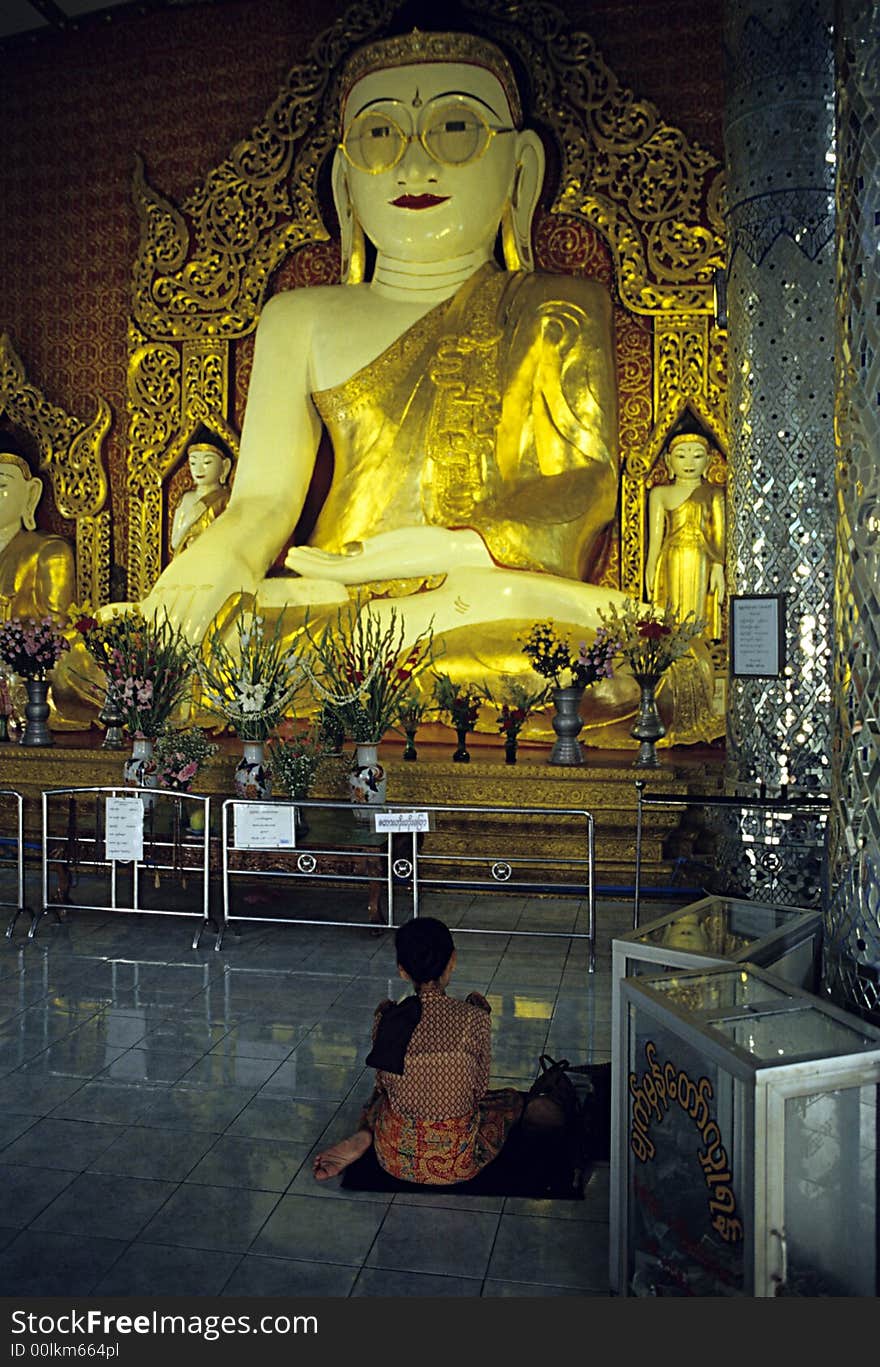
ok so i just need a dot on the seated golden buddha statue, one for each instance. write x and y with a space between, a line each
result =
472 409
37 570
210 464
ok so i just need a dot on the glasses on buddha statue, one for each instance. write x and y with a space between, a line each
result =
452 134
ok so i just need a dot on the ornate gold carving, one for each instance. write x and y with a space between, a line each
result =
634 364
93 559
656 198
70 453
204 379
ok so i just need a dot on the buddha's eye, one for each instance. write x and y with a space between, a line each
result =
456 136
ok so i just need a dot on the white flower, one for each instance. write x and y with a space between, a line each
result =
253 696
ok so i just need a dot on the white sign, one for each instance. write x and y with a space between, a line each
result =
756 636
402 821
124 828
259 826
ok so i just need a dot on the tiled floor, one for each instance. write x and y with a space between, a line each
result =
159 1107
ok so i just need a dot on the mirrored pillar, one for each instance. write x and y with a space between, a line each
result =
852 936
779 148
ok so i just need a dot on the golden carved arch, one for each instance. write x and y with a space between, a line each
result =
204 267
70 454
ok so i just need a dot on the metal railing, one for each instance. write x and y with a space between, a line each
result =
16 859
76 848
784 805
406 859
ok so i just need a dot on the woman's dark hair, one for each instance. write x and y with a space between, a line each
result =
424 947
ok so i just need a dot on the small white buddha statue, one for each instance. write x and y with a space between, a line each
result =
209 466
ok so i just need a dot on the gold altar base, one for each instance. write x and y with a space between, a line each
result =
604 786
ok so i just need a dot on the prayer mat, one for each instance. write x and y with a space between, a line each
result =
534 1166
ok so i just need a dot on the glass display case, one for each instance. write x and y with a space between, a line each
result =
747 1111
712 931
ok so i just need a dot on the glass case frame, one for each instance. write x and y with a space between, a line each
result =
756 1099
792 950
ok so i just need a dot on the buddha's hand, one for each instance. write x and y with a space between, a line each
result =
716 580
192 608
394 555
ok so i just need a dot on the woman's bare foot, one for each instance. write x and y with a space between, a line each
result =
330 1162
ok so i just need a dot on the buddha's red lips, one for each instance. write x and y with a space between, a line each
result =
418 201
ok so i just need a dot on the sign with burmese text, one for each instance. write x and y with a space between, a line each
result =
757 635
401 822
262 826
124 829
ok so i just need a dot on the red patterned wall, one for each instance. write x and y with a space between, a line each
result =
179 86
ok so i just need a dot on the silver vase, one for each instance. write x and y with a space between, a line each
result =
648 728
36 714
110 716
567 722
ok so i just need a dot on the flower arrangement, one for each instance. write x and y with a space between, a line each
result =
650 641
178 755
252 687
412 710
148 663
361 669
553 658
31 646
460 702
293 763
100 638
331 731
411 713
516 704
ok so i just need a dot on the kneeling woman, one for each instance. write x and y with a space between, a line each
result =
431 1117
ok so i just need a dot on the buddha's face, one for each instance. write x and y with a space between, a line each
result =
18 497
686 933
430 207
207 468
688 459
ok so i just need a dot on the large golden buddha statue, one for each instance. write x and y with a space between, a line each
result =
472 408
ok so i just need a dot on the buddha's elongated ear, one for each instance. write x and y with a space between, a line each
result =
34 493
516 226
354 254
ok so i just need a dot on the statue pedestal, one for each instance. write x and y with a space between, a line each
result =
604 785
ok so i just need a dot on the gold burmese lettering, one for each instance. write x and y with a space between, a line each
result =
659 1086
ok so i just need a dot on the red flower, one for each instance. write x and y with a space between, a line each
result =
654 631
86 624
